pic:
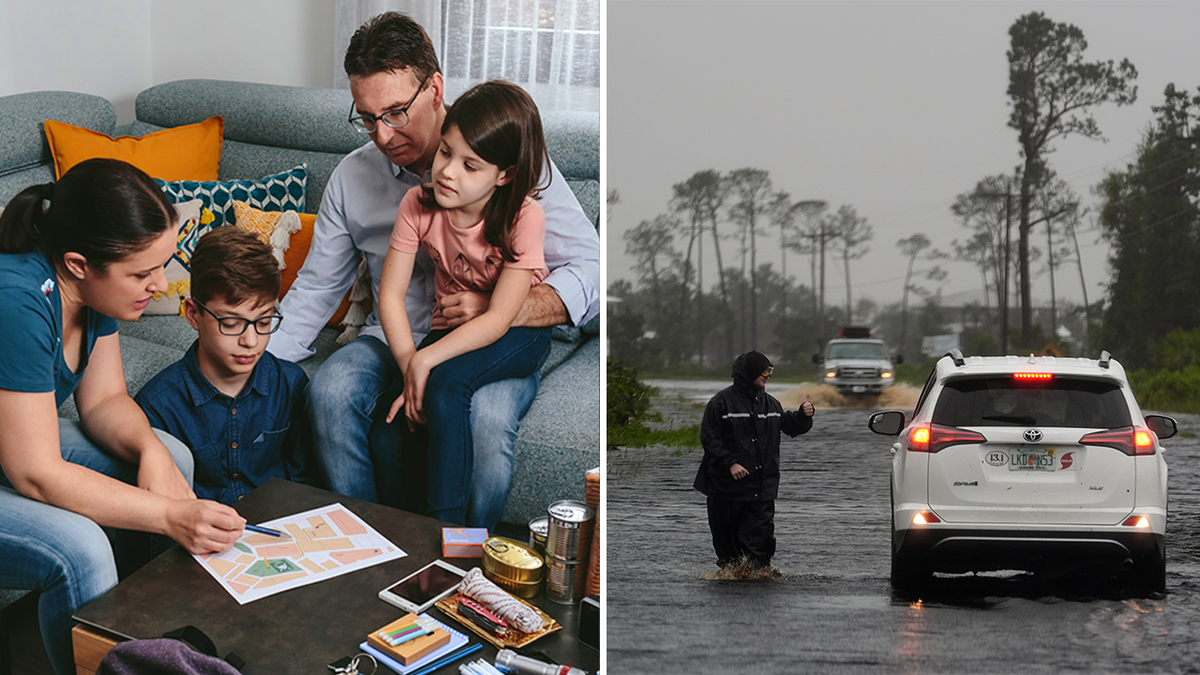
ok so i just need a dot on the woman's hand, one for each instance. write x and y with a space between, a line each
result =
158 473
415 378
203 526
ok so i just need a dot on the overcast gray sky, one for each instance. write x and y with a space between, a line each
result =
893 107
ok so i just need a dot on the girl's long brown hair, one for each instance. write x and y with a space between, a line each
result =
501 124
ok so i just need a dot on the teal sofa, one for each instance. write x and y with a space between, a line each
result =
271 128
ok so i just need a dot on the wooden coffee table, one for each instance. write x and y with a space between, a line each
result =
300 630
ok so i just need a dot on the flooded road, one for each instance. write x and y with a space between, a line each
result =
833 609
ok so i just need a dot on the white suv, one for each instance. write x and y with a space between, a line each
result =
1030 463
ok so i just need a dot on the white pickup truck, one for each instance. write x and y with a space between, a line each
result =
857 365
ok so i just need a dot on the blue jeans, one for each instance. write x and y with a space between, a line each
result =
66 556
345 393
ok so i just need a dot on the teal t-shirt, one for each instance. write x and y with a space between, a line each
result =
31 348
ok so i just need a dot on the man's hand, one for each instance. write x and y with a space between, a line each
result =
460 308
738 471
542 309
807 407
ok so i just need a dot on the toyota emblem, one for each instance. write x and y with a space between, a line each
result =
1033 435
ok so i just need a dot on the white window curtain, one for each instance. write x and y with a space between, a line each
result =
549 47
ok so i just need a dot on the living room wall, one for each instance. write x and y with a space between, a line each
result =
116 48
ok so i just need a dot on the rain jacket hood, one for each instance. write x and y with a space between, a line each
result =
748 367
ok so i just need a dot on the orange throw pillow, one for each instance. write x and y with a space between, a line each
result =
189 152
294 259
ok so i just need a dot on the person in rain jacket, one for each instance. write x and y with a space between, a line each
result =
740 470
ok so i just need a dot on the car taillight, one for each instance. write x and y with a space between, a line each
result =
935 437
1129 440
1033 376
1137 521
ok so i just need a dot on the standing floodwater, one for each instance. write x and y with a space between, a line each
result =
833 609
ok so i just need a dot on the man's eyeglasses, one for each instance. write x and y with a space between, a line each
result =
236 325
396 119
768 371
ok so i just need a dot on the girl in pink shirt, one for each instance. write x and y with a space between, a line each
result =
481 225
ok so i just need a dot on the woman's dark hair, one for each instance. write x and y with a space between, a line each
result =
391 42
501 124
234 264
102 209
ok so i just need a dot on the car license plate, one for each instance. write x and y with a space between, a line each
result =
858 389
1031 460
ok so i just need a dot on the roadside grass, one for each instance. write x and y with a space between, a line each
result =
640 436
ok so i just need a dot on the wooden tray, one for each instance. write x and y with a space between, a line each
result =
514 638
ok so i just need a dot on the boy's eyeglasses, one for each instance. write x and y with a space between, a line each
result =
768 371
236 325
396 119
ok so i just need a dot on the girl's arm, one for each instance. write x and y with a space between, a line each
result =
115 422
512 287
393 313
31 458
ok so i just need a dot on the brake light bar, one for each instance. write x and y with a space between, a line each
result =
935 437
1033 376
1129 440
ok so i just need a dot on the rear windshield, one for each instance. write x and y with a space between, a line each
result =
1003 401
857 350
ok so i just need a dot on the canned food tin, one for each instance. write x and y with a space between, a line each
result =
511 560
566 580
538 529
521 589
569 536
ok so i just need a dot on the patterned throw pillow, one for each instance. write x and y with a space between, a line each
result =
281 192
274 228
289 234
194 222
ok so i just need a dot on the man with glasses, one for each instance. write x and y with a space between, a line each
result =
239 409
740 469
398 94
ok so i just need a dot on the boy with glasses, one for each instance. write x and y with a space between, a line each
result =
240 409
740 469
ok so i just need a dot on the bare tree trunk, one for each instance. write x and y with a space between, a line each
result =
1087 312
849 307
1050 262
753 289
1027 182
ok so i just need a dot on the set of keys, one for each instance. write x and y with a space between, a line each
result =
349 666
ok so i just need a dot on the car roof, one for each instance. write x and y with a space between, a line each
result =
1006 365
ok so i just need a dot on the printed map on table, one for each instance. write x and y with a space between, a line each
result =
325 543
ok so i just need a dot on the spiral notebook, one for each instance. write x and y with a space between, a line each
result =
458 641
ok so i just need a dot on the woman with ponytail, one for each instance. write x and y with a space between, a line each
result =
75 256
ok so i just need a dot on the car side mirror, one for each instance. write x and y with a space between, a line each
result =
886 423
899 358
816 359
1164 427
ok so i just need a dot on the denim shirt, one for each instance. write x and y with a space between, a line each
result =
238 443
